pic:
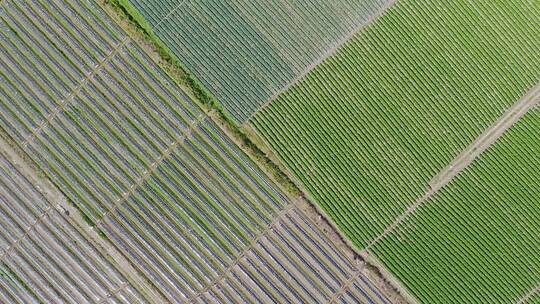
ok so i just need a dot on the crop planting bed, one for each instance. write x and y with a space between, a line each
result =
245 52
149 170
367 130
478 240
45 257
535 299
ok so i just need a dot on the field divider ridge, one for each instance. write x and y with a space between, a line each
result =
30 228
277 218
153 166
341 291
482 143
57 201
113 293
529 295
169 14
61 106
326 55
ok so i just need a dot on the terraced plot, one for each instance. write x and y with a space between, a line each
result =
478 240
45 255
182 203
245 52
368 129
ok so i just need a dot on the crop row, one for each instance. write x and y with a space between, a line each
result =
367 130
478 239
244 53
291 263
158 178
34 32
44 256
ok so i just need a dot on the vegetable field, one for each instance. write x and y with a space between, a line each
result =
367 130
245 52
45 256
185 207
478 240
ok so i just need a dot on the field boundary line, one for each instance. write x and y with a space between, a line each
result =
153 166
481 144
61 106
47 212
113 293
331 51
346 285
531 293
277 218
390 287
54 198
169 14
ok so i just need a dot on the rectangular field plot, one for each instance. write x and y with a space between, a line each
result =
45 257
367 130
244 51
172 193
292 262
478 240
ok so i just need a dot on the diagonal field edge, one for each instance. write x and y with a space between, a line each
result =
62 105
277 218
328 54
466 157
58 203
153 167
529 295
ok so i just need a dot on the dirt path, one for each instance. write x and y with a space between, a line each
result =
147 173
529 295
277 218
465 158
71 96
59 202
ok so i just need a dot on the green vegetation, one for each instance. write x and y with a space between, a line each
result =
478 240
10 277
535 299
181 74
245 52
194 89
144 164
367 130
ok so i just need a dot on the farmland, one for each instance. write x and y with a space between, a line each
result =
373 151
46 256
244 52
480 237
152 173
367 130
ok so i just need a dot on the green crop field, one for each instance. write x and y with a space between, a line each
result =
178 151
478 240
367 130
188 216
245 52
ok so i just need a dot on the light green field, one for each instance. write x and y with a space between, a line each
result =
246 51
367 130
478 240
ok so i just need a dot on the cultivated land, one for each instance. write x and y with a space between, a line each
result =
533 298
367 130
48 254
478 239
245 52
187 210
